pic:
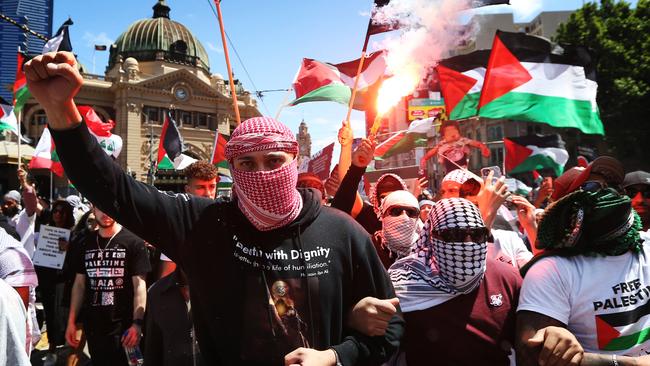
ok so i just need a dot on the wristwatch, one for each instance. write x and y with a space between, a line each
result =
138 322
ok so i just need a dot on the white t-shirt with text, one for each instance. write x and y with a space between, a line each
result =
604 301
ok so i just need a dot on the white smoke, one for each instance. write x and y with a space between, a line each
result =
430 29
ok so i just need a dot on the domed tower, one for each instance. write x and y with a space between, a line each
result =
159 44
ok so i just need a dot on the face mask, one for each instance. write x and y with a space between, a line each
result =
269 199
399 233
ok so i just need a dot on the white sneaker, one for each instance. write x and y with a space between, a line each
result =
50 359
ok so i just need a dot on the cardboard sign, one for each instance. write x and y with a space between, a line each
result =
47 252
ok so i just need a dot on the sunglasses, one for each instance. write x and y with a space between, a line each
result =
632 192
457 235
396 211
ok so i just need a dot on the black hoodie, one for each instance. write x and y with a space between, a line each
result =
256 296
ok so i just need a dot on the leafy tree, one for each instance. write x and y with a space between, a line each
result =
619 37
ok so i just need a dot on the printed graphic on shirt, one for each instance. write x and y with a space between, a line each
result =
282 320
625 329
105 270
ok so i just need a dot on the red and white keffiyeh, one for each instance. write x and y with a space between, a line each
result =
269 199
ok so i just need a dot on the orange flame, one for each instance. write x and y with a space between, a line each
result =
392 90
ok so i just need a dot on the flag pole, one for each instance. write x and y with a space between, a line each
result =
51 186
356 79
19 134
233 92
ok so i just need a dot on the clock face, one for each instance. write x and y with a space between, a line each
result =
181 93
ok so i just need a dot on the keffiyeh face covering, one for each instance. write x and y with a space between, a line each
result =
269 199
459 260
448 259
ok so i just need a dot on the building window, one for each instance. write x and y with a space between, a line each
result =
185 119
151 114
39 119
496 156
201 120
534 129
495 133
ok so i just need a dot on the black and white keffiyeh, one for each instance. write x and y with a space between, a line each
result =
437 271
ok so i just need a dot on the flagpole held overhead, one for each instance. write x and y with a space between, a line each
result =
233 92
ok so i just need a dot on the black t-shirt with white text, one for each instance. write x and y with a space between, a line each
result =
109 265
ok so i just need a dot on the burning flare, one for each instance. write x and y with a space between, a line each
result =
392 90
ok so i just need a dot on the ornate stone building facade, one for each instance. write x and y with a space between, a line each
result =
157 66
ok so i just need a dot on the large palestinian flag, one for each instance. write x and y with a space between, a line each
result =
321 81
624 330
405 141
535 152
525 81
461 80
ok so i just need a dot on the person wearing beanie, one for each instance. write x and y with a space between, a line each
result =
591 280
273 273
399 229
11 206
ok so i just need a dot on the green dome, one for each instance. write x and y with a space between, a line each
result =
159 38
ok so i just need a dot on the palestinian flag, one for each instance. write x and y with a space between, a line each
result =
525 81
321 81
109 142
170 149
624 330
61 40
45 156
21 93
535 152
218 157
517 187
8 121
461 80
405 141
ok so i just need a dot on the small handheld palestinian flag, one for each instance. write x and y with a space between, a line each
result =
461 80
21 93
527 80
405 141
45 156
218 157
170 149
535 152
61 40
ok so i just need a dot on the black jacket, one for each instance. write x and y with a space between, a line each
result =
255 295
168 340
347 194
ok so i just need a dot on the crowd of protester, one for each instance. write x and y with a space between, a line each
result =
295 270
